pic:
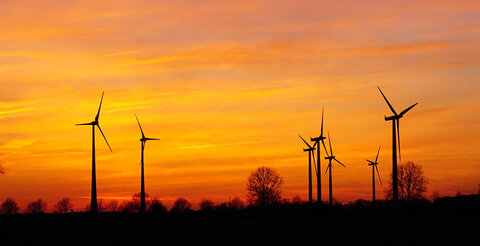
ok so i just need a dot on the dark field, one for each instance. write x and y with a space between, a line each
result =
447 223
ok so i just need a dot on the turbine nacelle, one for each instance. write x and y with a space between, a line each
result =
393 117
320 138
143 139
146 139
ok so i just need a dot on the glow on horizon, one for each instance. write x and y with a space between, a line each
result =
227 87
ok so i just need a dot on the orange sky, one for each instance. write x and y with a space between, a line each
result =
228 86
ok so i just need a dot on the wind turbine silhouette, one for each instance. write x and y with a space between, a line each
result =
310 150
374 166
395 118
317 143
93 198
143 141
329 169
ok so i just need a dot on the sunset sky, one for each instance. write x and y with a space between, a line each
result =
227 86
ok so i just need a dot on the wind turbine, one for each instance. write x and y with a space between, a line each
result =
374 166
310 150
317 143
93 198
143 141
395 118
329 169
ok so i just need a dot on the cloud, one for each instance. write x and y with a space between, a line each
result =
17 144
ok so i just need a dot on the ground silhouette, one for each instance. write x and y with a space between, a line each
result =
447 220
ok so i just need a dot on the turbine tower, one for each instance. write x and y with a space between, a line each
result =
329 169
310 150
317 143
395 118
93 198
374 166
143 141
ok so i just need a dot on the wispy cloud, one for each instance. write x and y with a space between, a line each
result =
118 53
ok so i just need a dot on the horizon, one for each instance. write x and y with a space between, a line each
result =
228 87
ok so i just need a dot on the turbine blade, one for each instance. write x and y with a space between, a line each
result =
321 131
398 138
406 110
376 159
305 142
315 144
389 105
84 124
143 135
314 163
98 113
104 137
152 139
330 144
326 170
325 147
378 175
339 162
369 160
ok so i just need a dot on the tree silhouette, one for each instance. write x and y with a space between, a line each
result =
156 206
264 186
112 206
237 203
63 206
136 200
128 207
36 207
101 206
206 205
297 200
412 183
134 204
181 205
9 206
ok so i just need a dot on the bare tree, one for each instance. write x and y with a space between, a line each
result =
237 203
206 205
63 206
412 183
9 206
264 186
36 207
181 205
112 206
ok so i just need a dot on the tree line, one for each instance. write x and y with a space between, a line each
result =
264 188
